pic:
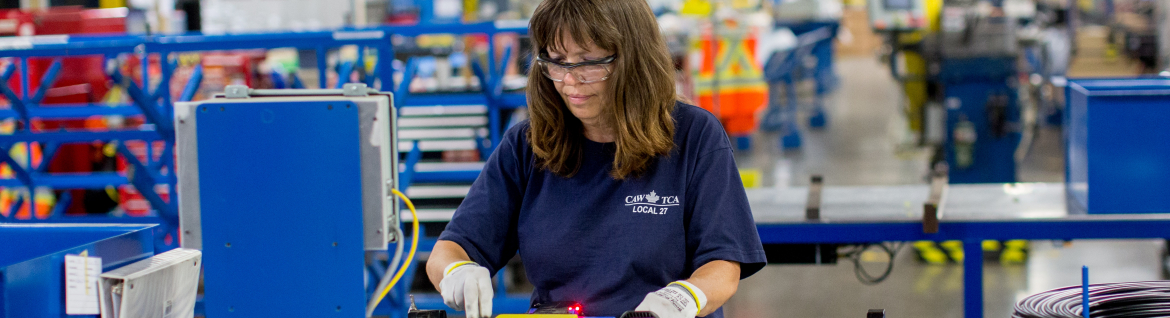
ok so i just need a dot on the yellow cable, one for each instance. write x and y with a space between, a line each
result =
413 247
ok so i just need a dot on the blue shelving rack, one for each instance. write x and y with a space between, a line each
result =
154 103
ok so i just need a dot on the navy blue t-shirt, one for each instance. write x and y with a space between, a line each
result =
606 243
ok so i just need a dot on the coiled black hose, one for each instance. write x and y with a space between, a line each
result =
1113 300
865 277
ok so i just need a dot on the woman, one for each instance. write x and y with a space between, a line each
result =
616 196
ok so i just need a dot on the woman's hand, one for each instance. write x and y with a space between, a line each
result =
463 283
705 291
677 300
468 287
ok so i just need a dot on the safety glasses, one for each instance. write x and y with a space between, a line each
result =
585 72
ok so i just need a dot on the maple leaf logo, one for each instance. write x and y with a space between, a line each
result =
653 198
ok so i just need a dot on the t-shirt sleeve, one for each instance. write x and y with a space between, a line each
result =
485 223
721 225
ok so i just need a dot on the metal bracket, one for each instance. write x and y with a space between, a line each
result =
236 91
932 210
355 90
812 207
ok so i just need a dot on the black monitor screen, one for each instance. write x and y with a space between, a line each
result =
899 4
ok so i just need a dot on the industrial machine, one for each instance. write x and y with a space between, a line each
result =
284 191
958 68
976 83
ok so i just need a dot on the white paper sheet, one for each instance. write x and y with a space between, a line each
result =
81 284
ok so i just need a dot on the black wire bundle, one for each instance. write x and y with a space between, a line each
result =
865 277
1113 300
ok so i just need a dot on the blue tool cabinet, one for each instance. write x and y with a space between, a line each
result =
1118 145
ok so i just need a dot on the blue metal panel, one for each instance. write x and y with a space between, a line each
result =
32 261
99 180
93 219
445 176
62 111
971 82
1076 227
305 40
513 100
76 47
65 137
1076 173
280 190
1115 162
972 278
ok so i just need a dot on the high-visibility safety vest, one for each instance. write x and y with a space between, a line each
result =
729 83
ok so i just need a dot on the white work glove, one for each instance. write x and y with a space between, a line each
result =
677 300
466 284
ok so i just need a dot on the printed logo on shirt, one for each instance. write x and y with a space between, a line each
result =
651 203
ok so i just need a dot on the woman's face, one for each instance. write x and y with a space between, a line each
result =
584 100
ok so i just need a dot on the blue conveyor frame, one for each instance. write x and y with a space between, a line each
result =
972 233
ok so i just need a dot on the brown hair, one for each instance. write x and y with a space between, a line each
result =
641 93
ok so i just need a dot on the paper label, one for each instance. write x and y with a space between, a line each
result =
81 284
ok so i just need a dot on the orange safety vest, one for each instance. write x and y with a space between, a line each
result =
736 79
